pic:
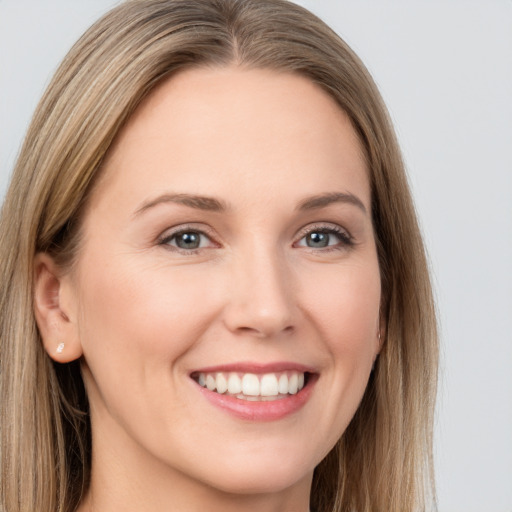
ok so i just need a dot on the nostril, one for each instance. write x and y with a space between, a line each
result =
265 331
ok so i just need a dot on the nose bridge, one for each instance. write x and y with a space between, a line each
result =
261 298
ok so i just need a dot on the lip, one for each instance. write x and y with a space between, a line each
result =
259 411
259 368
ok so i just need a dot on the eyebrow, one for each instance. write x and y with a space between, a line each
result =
192 201
212 204
323 200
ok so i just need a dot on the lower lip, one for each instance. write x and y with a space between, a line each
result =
260 410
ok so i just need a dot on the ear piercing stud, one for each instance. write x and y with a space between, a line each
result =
60 348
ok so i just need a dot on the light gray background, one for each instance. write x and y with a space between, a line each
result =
445 70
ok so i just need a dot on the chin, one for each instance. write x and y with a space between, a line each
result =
255 473
256 481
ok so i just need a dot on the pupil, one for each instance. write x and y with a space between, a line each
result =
318 239
188 241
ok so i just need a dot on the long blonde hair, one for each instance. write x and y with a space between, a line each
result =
383 462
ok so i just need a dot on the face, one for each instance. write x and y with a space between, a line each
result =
226 293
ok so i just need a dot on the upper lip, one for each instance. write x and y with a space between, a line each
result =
258 368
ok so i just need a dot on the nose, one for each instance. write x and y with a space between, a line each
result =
261 299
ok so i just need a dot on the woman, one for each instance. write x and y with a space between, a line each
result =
214 291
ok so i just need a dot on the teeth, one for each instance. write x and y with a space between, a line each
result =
222 383
234 384
269 386
283 384
253 387
250 385
210 382
293 384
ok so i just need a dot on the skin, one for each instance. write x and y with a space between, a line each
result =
143 313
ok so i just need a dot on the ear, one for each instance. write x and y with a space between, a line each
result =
380 335
53 310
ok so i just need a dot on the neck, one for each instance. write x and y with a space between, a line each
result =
178 494
127 478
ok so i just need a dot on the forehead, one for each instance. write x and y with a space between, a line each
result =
250 128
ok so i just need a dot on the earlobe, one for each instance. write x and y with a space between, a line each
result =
379 341
381 333
57 326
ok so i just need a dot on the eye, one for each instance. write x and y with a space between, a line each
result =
325 237
188 240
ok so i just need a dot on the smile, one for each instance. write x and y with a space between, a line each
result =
253 386
257 392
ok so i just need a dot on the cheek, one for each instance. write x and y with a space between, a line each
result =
138 321
137 325
346 305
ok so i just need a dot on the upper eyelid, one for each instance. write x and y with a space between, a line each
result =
183 228
164 240
322 225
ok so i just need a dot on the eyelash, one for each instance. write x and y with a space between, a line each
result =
345 239
166 239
